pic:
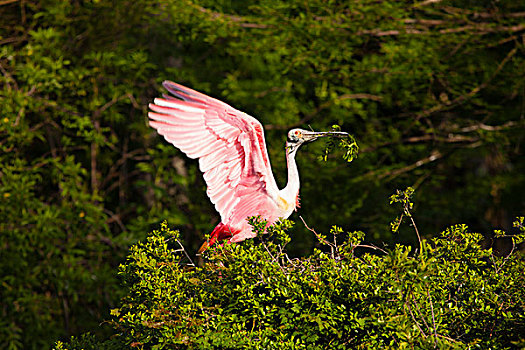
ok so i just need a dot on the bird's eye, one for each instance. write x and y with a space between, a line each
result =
294 136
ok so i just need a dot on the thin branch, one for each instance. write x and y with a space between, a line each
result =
448 338
185 253
431 22
392 32
504 15
114 218
488 127
113 172
413 318
13 39
481 29
433 318
6 2
419 313
360 96
435 155
23 11
476 29
371 247
314 232
417 232
8 77
462 11
333 248
427 2
498 268
116 184
451 138
115 100
240 21
93 155
274 258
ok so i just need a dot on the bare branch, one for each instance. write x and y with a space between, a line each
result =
451 138
314 232
488 127
480 29
435 155
427 2
6 2
475 29
456 10
185 253
13 39
240 21
371 247
417 231
392 32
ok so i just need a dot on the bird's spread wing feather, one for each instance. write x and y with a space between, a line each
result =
229 144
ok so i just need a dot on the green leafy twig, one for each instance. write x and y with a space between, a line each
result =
404 197
348 144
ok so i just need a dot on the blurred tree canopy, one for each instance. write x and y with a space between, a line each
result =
432 90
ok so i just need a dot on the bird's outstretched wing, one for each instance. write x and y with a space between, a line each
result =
229 144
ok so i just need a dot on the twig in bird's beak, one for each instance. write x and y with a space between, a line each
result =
314 135
347 142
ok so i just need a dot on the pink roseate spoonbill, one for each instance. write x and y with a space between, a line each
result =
232 155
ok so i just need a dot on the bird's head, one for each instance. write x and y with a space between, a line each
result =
297 137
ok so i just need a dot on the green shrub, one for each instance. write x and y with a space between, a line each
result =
345 295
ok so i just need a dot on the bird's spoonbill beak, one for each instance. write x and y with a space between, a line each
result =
309 136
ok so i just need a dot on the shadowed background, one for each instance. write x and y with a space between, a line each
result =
433 92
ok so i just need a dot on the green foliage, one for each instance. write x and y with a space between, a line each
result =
64 131
433 92
404 198
49 255
348 144
89 342
452 295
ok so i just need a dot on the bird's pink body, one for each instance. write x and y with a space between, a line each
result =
232 155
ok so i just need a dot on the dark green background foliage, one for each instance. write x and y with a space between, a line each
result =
433 92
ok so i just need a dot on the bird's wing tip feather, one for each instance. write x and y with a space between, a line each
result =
177 89
169 84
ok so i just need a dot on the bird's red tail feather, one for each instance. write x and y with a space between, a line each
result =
220 232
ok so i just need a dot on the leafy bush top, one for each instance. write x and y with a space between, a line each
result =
449 294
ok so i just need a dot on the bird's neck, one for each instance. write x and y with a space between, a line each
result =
291 191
